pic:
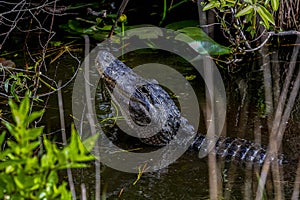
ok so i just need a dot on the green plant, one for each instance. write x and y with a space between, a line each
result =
98 28
24 175
243 16
201 42
164 14
123 20
16 83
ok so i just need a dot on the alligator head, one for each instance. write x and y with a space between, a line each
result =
145 105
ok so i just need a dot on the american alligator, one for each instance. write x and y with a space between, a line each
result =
150 103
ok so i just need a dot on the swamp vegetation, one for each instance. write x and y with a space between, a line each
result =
254 43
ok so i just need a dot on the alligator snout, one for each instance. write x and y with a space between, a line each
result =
103 60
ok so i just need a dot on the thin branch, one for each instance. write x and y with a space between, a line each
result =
296 193
284 33
280 119
90 116
64 138
119 13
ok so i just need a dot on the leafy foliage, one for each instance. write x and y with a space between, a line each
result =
244 15
16 83
98 28
248 7
182 24
23 175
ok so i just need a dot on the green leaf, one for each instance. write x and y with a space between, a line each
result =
211 5
89 143
182 24
34 116
47 161
7 182
13 146
74 165
266 16
2 138
90 30
275 4
191 77
105 28
11 164
245 11
48 146
6 84
23 181
33 146
33 133
74 26
194 33
32 164
266 2
11 128
4 154
24 106
232 1
201 42
74 140
65 194
229 3
53 178
14 110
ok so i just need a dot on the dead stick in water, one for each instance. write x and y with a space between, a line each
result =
64 138
280 119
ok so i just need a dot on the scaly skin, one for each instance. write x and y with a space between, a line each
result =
149 103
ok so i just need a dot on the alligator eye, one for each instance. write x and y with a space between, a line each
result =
139 112
144 89
139 106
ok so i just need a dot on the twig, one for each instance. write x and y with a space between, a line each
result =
61 116
209 25
266 68
53 91
240 30
285 33
297 183
202 17
280 119
64 138
83 192
119 13
214 182
15 13
90 116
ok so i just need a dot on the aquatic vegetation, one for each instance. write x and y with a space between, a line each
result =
201 42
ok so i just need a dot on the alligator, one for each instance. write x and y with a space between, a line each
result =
150 103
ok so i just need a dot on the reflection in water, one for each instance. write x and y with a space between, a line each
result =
187 178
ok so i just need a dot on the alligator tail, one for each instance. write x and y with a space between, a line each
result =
237 149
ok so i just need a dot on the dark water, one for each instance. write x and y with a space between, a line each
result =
187 178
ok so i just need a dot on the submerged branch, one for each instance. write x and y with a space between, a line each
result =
64 139
280 119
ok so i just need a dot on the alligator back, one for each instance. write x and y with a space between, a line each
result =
144 102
